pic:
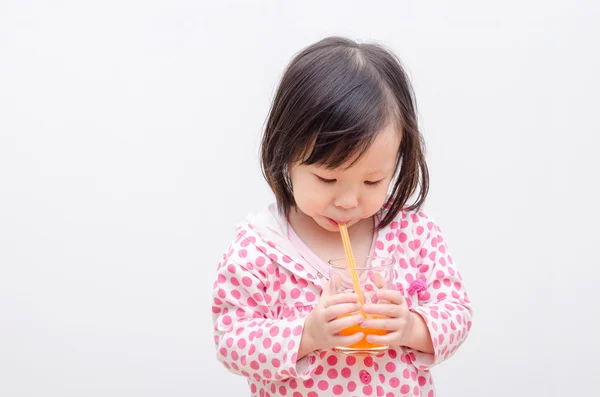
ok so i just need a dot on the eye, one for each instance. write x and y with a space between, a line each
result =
325 180
373 183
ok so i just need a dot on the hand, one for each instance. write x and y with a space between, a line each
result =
323 324
394 317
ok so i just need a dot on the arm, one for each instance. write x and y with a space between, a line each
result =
249 339
443 313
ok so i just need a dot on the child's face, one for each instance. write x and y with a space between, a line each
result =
348 195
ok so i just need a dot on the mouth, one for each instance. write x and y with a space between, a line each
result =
334 222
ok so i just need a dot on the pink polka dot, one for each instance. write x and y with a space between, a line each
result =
405 389
350 360
323 385
380 391
332 360
267 374
338 390
379 245
282 390
422 381
319 370
392 353
291 344
346 372
276 363
403 237
312 394
243 253
267 343
246 281
406 374
262 358
260 261
368 361
394 382
309 383
254 365
251 350
241 343
227 320
274 330
368 390
351 386
276 347
310 296
390 367
298 330
295 293
332 373
403 263
287 332
297 394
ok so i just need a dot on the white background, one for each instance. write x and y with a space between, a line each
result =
128 137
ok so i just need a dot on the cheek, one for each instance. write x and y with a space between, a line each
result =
310 198
375 199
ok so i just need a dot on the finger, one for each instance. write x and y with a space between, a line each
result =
383 309
391 296
347 340
388 339
384 324
342 323
340 298
341 309
378 280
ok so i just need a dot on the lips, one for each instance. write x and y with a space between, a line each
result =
336 223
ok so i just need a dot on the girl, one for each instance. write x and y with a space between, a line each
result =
341 145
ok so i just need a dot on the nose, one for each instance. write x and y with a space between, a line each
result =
348 199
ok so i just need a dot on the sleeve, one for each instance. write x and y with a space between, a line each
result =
444 304
249 340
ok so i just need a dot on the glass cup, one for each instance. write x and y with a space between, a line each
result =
374 273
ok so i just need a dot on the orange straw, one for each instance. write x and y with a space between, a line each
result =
352 265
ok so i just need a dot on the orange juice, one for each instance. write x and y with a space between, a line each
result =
362 346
